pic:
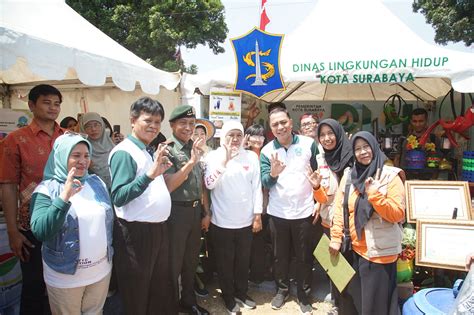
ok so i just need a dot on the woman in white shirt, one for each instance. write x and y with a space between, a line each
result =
233 177
72 215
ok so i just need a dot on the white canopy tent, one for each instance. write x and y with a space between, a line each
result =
342 33
47 40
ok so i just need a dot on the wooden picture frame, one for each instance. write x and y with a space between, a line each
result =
444 243
436 200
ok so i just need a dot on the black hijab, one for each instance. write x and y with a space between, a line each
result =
359 173
341 156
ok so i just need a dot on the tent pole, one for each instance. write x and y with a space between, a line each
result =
408 91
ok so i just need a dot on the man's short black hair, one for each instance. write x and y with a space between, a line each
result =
147 105
43 89
419 111
273 106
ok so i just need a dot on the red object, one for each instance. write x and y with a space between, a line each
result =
25 153
264 20
460 125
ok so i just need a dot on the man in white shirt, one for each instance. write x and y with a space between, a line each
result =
285 161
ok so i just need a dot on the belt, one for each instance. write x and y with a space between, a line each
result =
192 204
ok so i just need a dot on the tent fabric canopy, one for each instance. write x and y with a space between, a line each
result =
47 40
347 31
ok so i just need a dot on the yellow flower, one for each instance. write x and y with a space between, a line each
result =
430 146
412 142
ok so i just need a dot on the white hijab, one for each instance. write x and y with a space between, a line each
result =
227 127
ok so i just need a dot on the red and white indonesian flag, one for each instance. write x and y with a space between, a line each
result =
264 20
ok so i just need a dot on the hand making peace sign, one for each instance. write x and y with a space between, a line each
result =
373 184
276 166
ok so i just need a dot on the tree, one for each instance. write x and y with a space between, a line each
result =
154 30
453 20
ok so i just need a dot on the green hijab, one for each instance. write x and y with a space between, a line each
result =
56 167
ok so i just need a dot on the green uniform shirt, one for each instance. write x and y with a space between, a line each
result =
179 155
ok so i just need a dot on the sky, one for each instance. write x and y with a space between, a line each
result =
285 15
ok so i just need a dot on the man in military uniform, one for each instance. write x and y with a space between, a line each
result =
184 181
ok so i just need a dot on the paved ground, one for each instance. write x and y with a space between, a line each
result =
262 294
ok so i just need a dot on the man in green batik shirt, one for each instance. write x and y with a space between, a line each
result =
184 181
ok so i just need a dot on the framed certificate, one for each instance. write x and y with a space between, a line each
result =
444 244
437 200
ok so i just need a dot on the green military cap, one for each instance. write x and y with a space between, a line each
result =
183 111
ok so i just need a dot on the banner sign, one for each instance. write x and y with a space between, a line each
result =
257 55
224 105
369 71
12 120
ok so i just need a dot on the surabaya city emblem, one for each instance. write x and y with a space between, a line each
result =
257 54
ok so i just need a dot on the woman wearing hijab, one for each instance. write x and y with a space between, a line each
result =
376 206
93 125
72 216
332 161
233 177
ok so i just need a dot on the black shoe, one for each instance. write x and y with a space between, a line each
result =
231 306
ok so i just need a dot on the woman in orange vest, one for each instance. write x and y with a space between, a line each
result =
376 207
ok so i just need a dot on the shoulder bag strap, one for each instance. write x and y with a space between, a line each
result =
346 206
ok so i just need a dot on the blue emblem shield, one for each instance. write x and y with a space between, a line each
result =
258 62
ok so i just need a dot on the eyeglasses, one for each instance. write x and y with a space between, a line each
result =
365 148
72 133
92 125
309 124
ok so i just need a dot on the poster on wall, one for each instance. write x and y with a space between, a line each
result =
224 105
13 119
298 109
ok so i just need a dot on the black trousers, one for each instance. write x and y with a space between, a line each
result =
232 249
142 267
261 257
185 241
372 290
33 300
288 234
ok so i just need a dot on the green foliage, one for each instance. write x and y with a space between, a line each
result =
153 30
453 20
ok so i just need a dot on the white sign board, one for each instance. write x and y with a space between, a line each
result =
11 120
224 105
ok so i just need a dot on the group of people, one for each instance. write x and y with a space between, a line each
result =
89 205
